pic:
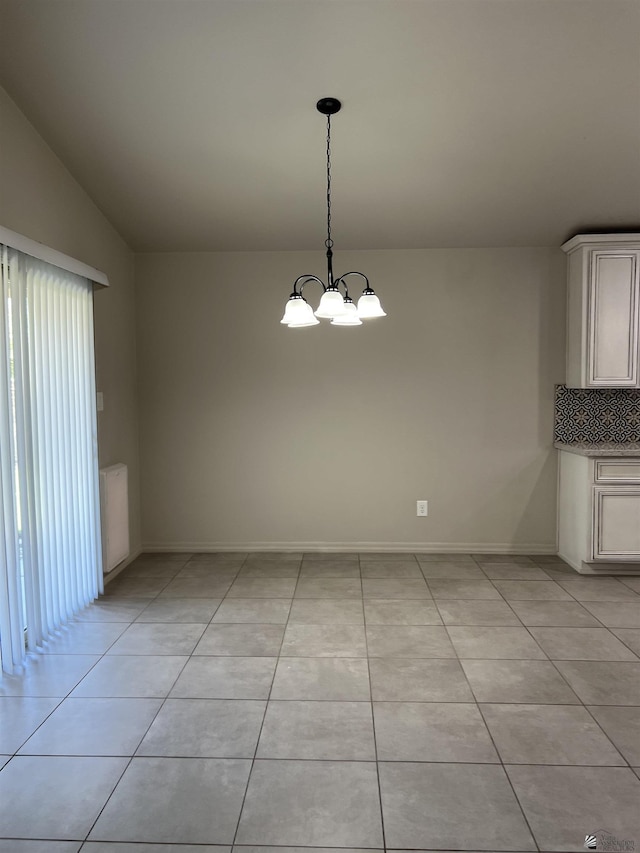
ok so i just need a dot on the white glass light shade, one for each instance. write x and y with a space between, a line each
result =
298 312
310 321
331 305
350 316
369 306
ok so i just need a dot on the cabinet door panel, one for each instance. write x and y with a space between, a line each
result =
616 528
613 320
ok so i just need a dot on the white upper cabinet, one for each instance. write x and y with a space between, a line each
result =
603 321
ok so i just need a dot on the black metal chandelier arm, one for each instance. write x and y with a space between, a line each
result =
354 272
307 279
340 281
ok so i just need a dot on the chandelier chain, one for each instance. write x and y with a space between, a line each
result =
328 242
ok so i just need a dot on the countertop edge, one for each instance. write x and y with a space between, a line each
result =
605 449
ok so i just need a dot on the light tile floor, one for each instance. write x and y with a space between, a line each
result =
273 702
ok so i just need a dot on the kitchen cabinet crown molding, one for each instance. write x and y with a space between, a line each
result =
605 241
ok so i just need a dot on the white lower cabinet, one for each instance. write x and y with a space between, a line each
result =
616 522
599 513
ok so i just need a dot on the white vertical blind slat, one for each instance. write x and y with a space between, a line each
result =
75 455
57 468
49 434
37 298
63 472
74 488
12 642
91 454
33 581
23 446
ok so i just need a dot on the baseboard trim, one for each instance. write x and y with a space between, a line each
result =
362 547
584 568
122 566
609 568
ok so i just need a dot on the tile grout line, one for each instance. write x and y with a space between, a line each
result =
68 696
162 704
166 698
497 751
63 698
264 716
129 762
627 764
373 721
624 643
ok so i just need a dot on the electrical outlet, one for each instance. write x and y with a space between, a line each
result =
422 508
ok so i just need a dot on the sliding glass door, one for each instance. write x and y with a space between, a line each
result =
50 547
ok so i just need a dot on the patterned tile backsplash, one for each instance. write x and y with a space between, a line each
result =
597 414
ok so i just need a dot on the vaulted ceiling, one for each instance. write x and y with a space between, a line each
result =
192 123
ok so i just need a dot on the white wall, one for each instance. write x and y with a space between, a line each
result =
40 199
254 435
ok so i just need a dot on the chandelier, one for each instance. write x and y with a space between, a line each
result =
341 310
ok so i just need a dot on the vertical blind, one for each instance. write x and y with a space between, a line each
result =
50 548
